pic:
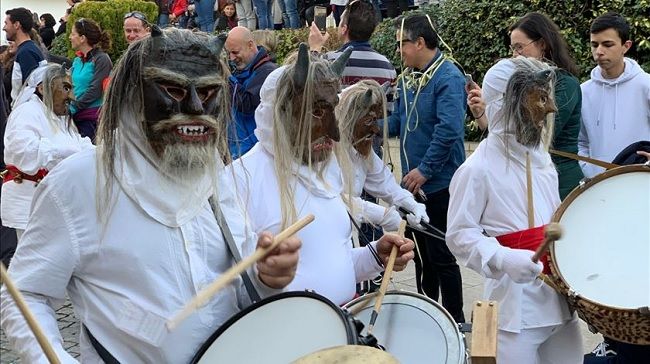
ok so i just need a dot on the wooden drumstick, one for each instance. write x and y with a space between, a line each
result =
204 295
29 316
529 191
552 232
388 272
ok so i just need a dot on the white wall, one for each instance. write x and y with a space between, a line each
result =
54 7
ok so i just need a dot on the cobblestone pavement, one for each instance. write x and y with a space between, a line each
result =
68 325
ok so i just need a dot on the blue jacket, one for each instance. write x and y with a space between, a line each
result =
245 88
431 139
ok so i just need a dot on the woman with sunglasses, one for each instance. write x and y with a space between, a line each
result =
90 69
535 35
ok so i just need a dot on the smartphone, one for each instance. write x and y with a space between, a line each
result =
320 16
469 83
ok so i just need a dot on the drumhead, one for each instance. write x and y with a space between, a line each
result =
604 253
413 328
279 329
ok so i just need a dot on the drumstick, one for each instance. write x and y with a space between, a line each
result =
581 158
29 316
388 272
204 295
552 232
529 191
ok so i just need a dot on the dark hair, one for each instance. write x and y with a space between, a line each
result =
93 32
360 19
537 27
612 20
416 26
23 16
49 20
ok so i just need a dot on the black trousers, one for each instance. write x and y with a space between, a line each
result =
436 270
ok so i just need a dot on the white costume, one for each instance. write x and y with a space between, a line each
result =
159 245
488 195
328 264
374 176
33 141
615 114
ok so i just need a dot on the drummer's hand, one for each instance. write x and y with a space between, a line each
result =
404 253
278 268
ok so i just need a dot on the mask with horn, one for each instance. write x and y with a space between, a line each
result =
306 98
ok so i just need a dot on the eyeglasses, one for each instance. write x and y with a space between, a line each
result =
82 23
399 42
135 14
518 47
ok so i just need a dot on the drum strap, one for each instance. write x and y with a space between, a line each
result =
100 349
230 241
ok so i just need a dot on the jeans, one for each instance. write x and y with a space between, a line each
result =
285 16
436 270
163 20
264 10
182 22
205 14
245 14
291 7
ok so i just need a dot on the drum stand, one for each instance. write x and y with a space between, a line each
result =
484 332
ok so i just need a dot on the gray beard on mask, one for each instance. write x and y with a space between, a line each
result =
527 134
188 161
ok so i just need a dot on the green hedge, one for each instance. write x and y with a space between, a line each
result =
110 16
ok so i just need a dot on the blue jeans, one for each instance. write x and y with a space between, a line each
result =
264 10
205 16
163 20
291 7
285 16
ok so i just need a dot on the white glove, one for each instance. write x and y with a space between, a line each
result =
418 213
391 219
517 263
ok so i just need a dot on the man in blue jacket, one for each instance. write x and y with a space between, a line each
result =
429 118
251 65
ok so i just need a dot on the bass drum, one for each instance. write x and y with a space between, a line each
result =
602 262
413 328
279 329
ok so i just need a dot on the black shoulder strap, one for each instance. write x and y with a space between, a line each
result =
100 349
232 247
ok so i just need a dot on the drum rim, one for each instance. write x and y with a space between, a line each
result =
231 321
565 204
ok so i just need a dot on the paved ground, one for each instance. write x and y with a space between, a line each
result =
472 291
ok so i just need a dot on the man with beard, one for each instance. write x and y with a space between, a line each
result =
358 112
127 230
39 135
488 221
18 24
292 172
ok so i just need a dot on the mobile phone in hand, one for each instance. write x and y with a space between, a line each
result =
320 16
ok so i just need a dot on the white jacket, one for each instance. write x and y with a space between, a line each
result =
33 142
125 277
615 114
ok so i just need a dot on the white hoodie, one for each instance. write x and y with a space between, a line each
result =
615 114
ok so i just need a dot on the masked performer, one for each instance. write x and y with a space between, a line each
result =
488 221
127 230
358 112
292 172
39 135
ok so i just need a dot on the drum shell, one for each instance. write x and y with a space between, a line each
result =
624 324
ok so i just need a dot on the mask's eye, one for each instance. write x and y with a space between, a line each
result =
205 93
176 92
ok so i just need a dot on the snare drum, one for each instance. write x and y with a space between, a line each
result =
413 328
279 329
602 262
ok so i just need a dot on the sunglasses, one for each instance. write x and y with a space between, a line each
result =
135 14
398 44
